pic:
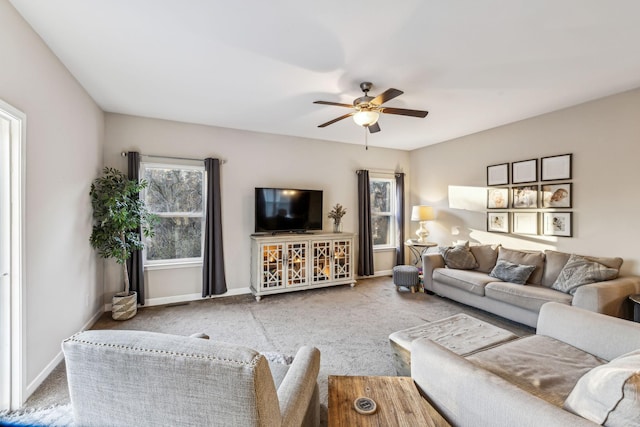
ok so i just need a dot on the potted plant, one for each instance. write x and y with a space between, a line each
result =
336 214
119 213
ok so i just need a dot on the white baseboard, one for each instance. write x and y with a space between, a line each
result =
39 379
191 297
151 302
33 386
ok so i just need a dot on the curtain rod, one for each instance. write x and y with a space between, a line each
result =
124 154
380 171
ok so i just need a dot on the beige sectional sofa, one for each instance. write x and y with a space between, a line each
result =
579 369
552 280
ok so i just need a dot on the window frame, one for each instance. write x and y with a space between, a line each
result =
393 232
181 165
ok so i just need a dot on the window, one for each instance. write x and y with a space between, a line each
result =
383 212
176 195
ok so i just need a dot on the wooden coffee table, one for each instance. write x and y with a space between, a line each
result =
398 403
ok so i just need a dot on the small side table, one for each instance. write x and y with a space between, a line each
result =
398 401
636 306
418 249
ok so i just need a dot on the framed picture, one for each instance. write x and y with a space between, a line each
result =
556 167
497 198
525 222
557 224
524 197
498 174
524 171
498 222
556 195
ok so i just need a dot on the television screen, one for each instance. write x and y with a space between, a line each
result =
286 209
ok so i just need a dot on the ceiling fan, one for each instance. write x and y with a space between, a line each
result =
367 109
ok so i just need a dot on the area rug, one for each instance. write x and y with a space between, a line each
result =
56 416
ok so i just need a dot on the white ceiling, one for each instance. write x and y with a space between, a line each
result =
259 64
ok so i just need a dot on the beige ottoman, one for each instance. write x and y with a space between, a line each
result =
461 334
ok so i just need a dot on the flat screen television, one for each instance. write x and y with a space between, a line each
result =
280 210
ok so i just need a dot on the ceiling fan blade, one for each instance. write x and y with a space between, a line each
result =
385 96
374 128
337 104
404 112
330 122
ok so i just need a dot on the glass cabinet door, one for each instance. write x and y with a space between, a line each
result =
297 263
321 269
272 265
341 259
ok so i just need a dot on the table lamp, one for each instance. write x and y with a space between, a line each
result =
422 214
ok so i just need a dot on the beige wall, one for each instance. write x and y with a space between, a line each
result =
64 141
604 137
253 160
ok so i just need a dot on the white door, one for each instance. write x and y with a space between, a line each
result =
12 124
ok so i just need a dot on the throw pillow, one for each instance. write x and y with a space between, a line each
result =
510 272
458 257
553 265
579 271
525 258
555 261
486 256
608 393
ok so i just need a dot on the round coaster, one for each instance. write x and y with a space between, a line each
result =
365 405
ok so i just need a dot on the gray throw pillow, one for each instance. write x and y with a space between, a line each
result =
512 273
555 262
525 258
579 271
459 257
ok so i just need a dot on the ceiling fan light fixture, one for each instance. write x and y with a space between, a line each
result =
366 109
366 118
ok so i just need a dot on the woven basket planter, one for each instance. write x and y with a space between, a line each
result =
124 306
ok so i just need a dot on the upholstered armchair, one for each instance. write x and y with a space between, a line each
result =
126 378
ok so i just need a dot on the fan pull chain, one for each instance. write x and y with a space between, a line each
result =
366 138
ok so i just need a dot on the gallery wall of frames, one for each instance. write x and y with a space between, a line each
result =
531 197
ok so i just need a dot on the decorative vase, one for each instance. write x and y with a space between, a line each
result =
124 305
337 227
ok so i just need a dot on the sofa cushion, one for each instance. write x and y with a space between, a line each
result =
486 256
610 393
510 272
540 365
458 257
525 258
530 297
467 280
555 262
580 271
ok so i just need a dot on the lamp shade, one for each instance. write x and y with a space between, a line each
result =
366 117
422 213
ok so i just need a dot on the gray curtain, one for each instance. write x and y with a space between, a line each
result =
365 240
134 264
400 218
213 277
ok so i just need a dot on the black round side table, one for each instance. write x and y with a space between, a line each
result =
636 307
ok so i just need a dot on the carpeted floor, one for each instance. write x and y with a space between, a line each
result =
350 327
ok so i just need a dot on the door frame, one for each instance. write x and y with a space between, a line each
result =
12 307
